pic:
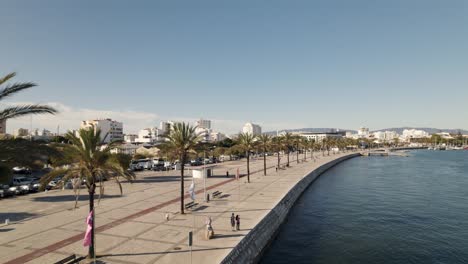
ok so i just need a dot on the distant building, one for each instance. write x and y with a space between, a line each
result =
21 132
148 135
363 132
408 134
202 123
216 136
110 130
319 136
445 135
127 148
3 126
385 136
253 129
130 138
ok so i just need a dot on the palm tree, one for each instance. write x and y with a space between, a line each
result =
89 163
287 141
278 145
247 142
8 147
181 140
305 143
265 141
20 110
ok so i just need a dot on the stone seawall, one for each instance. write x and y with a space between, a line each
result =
251 248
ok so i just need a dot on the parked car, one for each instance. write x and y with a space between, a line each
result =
5 191
24 184
53 183
21 170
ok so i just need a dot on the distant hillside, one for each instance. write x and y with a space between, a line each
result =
399 130
429 130
316 130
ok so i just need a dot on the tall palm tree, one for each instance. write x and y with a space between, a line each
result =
265 141
247 142
88 162
8 148
181 140
305 143
20 110
287 141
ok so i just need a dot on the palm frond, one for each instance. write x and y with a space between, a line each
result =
14 88
7 77
22 110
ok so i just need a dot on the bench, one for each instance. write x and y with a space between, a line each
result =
216 194
190 205
68 260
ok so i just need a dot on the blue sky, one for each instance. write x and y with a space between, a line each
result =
282 64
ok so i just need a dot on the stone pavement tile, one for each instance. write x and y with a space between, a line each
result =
8 253
166 233
198 255
80 225
44 239
128 229
115 213
137 251
153 218
104 245
48 258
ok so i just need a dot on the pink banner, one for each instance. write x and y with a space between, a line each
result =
89 222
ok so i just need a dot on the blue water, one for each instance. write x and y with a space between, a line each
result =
381 210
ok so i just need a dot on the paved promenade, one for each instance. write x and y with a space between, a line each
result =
133 229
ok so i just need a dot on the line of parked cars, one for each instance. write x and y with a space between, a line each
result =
162 165
23 183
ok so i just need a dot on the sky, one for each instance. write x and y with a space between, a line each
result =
281 64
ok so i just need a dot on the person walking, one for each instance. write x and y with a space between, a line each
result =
237 222
233 222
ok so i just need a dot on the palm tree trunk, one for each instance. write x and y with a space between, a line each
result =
305 154
264 162
288 159
182 167
91 191
278 159
297 154
248 166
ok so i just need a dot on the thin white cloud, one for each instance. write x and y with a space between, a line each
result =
70 118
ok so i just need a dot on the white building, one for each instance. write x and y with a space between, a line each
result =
216 136
148 135
445 135
127 148
253 129
110 130
385 136
408 134
202 123
319 136
130 138
363 132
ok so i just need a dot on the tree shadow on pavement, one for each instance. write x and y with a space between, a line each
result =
217 236
14 217
69 198
163 252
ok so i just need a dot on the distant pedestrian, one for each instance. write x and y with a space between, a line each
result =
233 222
227 174
237 222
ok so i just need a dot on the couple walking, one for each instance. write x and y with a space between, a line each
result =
235 222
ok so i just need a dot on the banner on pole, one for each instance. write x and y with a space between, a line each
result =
89 222
191 191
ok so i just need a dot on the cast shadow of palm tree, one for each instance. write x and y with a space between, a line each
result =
14 217
69 198
157 179
162 252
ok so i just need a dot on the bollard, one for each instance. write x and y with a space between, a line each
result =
7 221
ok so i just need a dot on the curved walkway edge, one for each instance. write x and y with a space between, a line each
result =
252 246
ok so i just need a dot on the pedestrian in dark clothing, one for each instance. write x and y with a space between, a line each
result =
233 222
237 222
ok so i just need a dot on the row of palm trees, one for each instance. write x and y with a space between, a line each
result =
83 159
